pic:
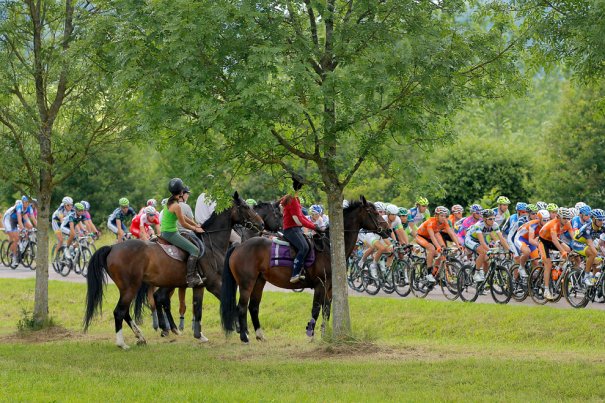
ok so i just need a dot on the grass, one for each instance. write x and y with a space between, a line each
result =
420 350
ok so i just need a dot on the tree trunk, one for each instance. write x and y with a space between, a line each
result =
341 319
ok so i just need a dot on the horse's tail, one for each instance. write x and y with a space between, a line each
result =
140 302
96 280
228 290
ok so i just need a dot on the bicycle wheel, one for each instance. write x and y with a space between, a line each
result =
448 280
467 289
75 260
9 257
520 290
63 265
371 284
355 276
536 285
29 255
401 278
500 285
388 281
575 292
86 255
4 253
420 286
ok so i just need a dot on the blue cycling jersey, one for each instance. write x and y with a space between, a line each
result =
118 214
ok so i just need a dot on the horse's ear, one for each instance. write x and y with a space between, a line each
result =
236 197
363 200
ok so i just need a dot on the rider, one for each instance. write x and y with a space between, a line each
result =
475 241
584 242
293 222
419 214
72 221
465 224
116 221
316 216
14 220
582 219
171 214
57 219
549 240
513 222
151 202
90 226
430 238
526 240
456 215
552 209
141 224
502 212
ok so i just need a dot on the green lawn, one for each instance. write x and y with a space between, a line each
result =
419 350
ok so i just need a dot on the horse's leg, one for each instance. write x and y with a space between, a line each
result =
120 312
137 332
182 308
325 311
198 301
242 311
254 307
314 311
162 300
168 313
154 312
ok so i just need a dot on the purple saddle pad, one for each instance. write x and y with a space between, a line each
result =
281 256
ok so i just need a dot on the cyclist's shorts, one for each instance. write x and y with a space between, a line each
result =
370 239
56 224
471 244
545 246
9 225
65 230
579 247
425 242
112 227
523 241
446 237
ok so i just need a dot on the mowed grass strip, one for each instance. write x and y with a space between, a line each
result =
420 350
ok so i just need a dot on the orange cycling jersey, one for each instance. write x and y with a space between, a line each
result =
433 224
554 225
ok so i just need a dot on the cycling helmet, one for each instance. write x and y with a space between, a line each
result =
67 200
403 211
176 186
315 208
124 202
164 201
150 210
521 206
541 205
585 210
152 202
543 214
85 204
564 213
35 201
476 208
579 204
574 211
503 200
487 213
422 201
441 210
598 214
24 198
392 209
552 207
345 204
532 208
251 202
456 208
79 207
380 206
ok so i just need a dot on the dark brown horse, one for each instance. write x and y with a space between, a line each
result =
135 263
217 243
247 266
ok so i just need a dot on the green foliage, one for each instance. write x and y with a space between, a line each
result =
27 323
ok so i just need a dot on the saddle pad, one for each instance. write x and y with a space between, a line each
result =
174 252
281 256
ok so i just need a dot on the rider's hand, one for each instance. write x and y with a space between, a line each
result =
198 229
318 228
439 249
563 255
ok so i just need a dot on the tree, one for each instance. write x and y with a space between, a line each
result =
56 105
325 85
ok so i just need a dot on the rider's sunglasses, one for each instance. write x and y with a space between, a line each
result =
490 219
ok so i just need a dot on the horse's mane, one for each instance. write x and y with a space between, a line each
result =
353 205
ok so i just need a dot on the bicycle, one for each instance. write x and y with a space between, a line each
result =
577 294
78 261
521 284
560 270
498 279
27 248
446 275
354 271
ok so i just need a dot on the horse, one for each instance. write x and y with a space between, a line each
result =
272 217
247 266
134 265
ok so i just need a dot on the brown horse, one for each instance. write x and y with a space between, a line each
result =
135 263
247 265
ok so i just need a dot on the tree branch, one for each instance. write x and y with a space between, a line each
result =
284 143
312 23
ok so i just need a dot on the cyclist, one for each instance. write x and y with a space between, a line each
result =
430 238
14 220
541 205
419 214
140 227
72 222
117 220
456 216
90 226
466 223
57 219
584 242
476 242
583 218
392 218
512 224
526 240
403 216
316 217
549 240
552 209
151 202
502 212
380 207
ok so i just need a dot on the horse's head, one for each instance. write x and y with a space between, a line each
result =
271 215
243 214
368 217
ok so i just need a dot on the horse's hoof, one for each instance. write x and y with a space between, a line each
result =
141 342
260 336
164 333
124 346
176 331
202 339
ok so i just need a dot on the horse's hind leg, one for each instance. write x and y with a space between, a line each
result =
152 306
254 307
325 311
317 302
198 301
162 297
120 313
137 332
182 308
242 312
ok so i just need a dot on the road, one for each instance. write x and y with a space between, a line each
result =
436 295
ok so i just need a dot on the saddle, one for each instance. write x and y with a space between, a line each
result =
178 253
283 253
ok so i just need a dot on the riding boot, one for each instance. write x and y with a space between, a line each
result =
193 278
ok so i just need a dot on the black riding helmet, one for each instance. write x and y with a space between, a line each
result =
176 186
